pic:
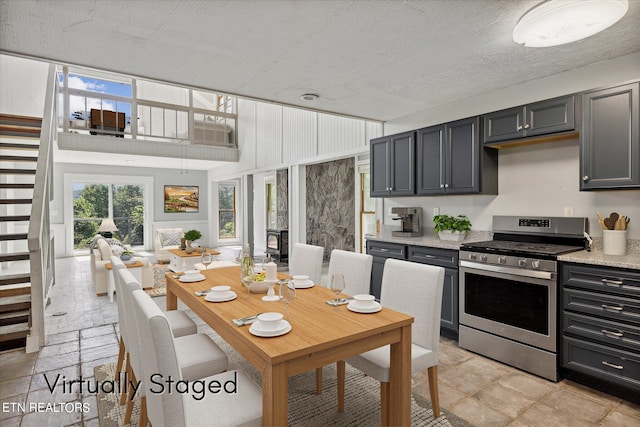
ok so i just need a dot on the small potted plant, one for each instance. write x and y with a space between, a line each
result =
189 237
126 255
450 227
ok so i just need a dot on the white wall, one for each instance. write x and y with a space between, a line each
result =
539 179
25 97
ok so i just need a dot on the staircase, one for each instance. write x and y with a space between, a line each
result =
19 145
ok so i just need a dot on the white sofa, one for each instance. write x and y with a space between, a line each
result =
101 256
163 240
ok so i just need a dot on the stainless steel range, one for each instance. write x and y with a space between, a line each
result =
509 290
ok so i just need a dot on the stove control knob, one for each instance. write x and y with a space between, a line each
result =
472 257
522 263
502 260
483 258
535 264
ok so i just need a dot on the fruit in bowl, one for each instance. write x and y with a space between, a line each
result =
256 283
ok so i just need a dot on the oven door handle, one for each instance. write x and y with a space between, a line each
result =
547 275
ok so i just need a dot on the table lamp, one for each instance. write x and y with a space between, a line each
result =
107 227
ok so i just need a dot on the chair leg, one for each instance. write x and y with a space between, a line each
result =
340 368
121 353
130 401
128 371
144 420
384 404
433 390
318 380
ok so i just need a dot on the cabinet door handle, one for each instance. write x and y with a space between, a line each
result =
612 308
429 256
527 126
611 365
585 178
612 282
519 128
383 250
612 333
446 186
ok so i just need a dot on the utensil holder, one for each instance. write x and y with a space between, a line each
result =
614 242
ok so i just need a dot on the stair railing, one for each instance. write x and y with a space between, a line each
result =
40 238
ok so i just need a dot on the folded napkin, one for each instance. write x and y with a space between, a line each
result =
340 301
245 320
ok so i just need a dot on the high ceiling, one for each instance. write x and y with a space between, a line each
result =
378 60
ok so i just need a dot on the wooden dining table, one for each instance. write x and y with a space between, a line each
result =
321 334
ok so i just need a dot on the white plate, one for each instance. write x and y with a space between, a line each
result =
376 308
190 279
230 297
308 284
255 330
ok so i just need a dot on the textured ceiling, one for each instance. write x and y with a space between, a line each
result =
378 60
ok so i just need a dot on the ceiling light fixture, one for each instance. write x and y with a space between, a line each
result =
309 97
556 22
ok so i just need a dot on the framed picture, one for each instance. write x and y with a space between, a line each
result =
181 198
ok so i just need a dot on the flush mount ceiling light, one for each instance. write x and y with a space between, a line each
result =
556 22
309 97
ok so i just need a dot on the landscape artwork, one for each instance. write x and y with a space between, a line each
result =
180 198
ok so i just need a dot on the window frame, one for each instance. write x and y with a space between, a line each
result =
234 210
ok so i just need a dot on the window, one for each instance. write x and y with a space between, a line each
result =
94 201
227 215
271 206
367 210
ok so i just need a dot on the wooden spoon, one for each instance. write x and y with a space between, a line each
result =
620 223
601 220
610 223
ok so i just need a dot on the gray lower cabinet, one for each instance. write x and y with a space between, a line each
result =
526 121
601 327
393 165
610 147
449 260
451 160
381 251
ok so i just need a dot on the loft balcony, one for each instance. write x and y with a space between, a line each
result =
95 115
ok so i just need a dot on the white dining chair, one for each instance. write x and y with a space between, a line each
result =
181 323
414 289
356 269
198 355
306 259
168 408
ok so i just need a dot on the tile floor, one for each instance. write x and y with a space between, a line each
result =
83 333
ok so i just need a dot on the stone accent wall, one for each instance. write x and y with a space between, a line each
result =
282 199
330 205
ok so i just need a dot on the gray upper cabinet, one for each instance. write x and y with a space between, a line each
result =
610 150
540 118
393 165
451 160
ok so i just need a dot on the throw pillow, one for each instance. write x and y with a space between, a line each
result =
171 239
117 250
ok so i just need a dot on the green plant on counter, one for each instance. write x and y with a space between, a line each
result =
459 223
192 235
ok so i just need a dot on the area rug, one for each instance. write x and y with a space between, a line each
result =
306 409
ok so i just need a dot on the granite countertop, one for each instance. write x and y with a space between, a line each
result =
429 239
596 257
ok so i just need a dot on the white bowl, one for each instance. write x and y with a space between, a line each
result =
364 301
300 279
220 291
270 321
258 287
